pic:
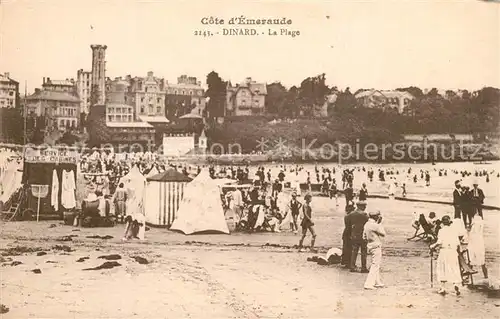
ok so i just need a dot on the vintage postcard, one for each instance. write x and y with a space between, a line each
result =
249 159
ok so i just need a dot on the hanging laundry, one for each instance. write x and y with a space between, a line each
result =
68 185
54 198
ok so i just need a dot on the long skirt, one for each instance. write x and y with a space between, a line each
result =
448 268
476 249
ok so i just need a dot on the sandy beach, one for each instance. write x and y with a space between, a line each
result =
256 275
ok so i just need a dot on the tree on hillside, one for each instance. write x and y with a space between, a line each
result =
292 105
217 96
433 93
345 101
275 98
486 106
312 93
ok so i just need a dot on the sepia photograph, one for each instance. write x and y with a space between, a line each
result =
249 159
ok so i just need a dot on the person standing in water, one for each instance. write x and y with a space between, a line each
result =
307 223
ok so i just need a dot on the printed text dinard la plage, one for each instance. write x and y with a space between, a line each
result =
246 26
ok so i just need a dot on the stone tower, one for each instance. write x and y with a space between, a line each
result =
99 72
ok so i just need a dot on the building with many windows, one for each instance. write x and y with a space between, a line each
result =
9 91
60 109
246 98
183 97
83 88
147 96
119 113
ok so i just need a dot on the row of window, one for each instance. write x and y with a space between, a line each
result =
158 100
65 123
120 118
7 92
244 102
395 100
67 111
63 104
185 92
6 102
159 110
120 110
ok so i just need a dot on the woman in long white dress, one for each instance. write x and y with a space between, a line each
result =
476 244
448 268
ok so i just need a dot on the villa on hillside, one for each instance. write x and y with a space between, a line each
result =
384 99
246 98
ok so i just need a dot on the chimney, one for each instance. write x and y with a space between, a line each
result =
7 74
248 80
43 80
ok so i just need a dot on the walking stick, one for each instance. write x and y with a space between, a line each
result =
432 273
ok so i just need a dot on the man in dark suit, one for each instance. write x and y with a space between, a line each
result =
346 239
457 199
357 220
477 199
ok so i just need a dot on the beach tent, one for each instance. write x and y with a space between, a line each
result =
201 208
164 193
135 184
152 172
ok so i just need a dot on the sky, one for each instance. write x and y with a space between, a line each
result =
381 44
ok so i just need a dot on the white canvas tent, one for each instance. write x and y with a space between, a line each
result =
201 208
164 193
135 184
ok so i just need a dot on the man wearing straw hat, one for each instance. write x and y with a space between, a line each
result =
373 233
477 199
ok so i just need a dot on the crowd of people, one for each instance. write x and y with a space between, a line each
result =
268 198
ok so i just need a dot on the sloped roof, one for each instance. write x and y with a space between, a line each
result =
368 93
253 86
53 96
392 94
154 119
170 175
4 78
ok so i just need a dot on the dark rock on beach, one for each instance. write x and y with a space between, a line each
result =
100 237
106 265
19 250
63 248
141 260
